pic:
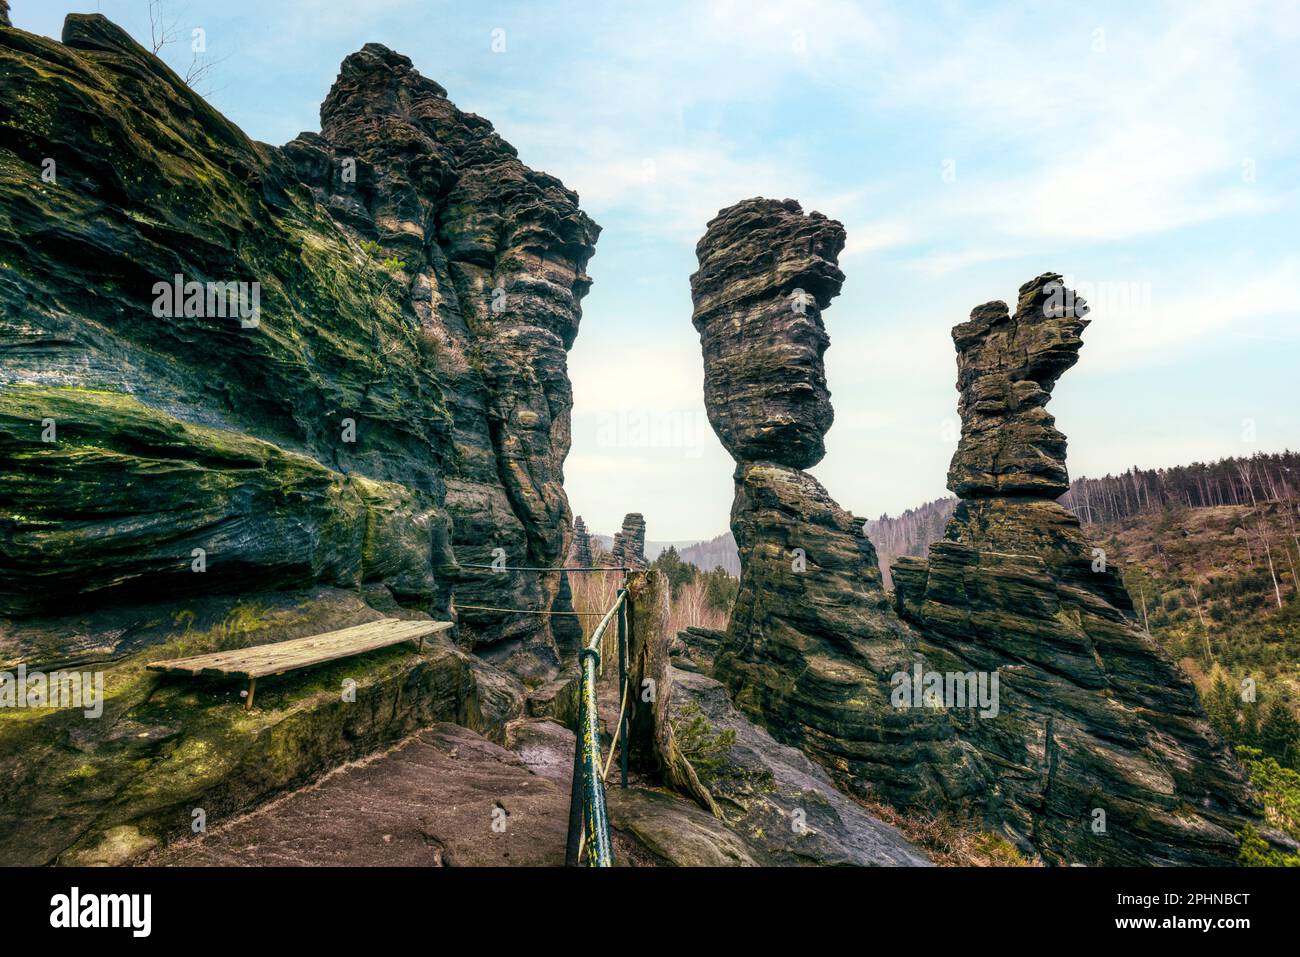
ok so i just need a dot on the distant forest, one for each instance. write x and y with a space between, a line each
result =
1263 477
1233 481
717 552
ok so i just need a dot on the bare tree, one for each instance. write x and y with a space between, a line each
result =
164 30
1245 469
163 27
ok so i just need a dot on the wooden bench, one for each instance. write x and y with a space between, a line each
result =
275 659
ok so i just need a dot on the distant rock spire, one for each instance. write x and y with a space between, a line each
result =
629 544
581 543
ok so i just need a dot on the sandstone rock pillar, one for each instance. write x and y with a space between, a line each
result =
1103 751
812 641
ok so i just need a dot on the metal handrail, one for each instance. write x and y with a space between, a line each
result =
548 568
588 817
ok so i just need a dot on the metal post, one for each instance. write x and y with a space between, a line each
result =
599 853
575 800
622 684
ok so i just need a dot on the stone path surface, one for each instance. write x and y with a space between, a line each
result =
431 801
448 797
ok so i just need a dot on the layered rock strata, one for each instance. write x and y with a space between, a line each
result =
812 640
766 273
1068 730
255 393
580 554
628 549
495 258
385 397
1101 753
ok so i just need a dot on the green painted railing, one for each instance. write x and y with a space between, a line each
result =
589 841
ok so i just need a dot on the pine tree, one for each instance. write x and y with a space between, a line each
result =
1279 733
1221 707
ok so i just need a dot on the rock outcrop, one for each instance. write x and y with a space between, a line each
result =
1101 752
783 804
628 549
235 373
495 258
812 640
397 407
580 554
1006 367
1092 746
766 273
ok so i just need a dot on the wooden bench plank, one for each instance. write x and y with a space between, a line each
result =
260 660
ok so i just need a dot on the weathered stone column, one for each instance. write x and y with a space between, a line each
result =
812 642
1105 755
581 552
629 542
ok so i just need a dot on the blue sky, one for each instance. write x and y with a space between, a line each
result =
1148 152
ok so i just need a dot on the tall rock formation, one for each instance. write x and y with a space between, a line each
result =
495 259
397 409
580 555
1092 746
766 273
253 393
1101 752
812 641
628 549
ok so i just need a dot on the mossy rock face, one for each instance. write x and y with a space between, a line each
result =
383 400
404 370
129 438
111 499
100 789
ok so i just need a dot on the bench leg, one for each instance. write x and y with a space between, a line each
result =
252 686
421 644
